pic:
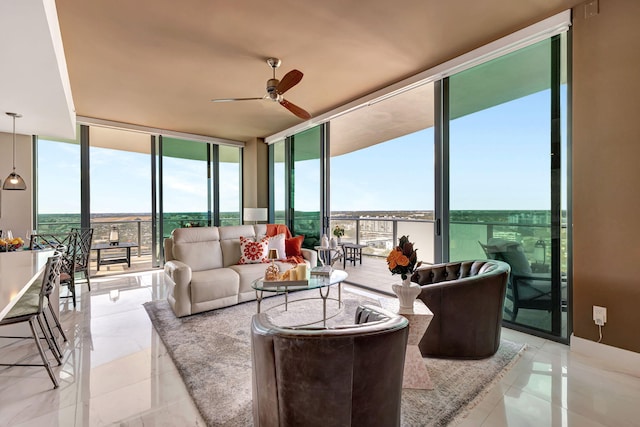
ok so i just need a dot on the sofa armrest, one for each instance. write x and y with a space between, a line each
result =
180 295
311 256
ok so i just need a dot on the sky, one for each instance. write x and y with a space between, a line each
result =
121 182
499 160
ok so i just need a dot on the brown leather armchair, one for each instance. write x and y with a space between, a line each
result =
345 376
467 300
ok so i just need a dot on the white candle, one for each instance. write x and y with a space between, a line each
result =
292 274
302 271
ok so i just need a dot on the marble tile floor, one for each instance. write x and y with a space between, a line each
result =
116 371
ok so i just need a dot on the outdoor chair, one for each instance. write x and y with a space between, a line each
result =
528 290
30 308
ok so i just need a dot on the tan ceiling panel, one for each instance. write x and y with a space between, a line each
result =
158 63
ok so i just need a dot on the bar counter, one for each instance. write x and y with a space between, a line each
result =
18 270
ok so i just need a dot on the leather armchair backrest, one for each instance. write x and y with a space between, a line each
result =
350 375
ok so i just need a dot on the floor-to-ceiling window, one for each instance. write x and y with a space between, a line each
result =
57 171
306 185
382 173
278 189
296 175
229 177
120 182
186 198
128 176
505 146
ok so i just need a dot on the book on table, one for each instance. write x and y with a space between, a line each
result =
324 270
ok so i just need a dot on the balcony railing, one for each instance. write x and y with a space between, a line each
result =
380 234
136 231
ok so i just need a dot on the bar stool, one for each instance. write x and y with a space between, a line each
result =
30 308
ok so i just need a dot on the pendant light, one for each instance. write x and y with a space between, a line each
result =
14 181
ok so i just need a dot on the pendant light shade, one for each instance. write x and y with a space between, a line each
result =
14 181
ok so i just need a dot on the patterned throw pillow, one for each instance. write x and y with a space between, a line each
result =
253 252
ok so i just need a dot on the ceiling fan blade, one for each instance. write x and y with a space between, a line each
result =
235 99
289 80
295 109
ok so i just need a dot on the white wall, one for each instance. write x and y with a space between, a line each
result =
16 206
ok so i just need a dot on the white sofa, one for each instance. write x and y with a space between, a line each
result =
201 266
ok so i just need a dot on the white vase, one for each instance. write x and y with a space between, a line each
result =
407 293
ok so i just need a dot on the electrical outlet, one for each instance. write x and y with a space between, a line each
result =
599 315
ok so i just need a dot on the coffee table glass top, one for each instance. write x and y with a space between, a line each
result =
315 282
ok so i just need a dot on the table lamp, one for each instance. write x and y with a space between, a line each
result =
255 214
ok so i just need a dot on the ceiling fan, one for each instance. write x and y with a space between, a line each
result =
275 89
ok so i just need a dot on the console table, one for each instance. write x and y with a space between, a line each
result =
99 247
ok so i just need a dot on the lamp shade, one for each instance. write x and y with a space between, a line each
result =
255 214
14 182
273 254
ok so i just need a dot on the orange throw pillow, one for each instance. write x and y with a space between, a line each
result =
293 246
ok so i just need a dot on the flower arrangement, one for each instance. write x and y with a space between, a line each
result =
403 259
338 231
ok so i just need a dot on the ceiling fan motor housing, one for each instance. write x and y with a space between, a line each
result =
272 84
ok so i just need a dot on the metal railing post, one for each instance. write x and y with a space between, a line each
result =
139 236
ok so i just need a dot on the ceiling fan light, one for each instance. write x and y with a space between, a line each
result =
14 182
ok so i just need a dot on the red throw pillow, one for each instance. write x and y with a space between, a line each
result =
253 252
293 246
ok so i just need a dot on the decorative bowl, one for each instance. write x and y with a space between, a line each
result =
7 245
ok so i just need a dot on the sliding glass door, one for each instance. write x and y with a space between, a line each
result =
382 176
57 173
305 185
505 177
230 188
297 174
185 184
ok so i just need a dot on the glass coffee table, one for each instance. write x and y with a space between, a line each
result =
322 283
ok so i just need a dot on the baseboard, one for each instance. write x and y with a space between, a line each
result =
613 358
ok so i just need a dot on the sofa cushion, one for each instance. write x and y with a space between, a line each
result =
230 242
252 252
198 247
213 285
277 242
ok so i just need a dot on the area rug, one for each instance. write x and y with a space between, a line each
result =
212 352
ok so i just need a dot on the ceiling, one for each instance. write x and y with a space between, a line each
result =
33 76
157 63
